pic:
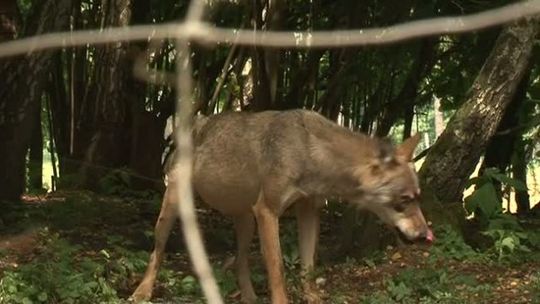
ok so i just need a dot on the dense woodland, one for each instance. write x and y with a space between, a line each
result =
100 115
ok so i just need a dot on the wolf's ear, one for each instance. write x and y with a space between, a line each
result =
405 151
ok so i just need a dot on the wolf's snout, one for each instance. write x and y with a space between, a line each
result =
427 236
430 237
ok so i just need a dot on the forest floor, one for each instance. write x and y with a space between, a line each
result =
79 247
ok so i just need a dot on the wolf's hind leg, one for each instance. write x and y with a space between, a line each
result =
308 219
167 217
244 227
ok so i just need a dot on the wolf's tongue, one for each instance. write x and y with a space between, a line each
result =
430 237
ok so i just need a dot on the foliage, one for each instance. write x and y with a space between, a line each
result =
534 287
425 286
289 245
486 202
451 245
59 275
509 240
119 182
507 243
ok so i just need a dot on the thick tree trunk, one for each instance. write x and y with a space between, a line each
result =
21 89
455 154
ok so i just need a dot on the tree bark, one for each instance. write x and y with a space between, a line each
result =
455 154
21 87
438 118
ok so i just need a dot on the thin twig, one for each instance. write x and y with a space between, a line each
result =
221 80
184 167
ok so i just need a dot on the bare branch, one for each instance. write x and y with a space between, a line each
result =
204 32
184 167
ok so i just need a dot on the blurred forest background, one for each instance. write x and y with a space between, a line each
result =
91 123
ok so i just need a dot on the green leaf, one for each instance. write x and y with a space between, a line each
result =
26 300
42 297
509 243
12 289
512 182
490 172
105 253
473 181
485 198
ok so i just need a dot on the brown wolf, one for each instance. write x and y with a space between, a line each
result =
253 166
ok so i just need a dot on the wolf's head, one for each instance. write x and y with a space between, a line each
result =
390 189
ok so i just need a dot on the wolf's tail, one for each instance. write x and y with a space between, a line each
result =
169 153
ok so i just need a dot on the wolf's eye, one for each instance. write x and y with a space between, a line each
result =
405 199
399 207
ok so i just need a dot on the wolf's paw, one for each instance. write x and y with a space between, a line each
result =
311 294
141 294
312 298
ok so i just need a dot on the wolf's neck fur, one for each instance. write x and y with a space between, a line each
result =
337 156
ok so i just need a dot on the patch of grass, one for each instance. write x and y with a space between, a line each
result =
427 286
60 275
534 288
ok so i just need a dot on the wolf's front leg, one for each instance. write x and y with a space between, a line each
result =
307 217
268 226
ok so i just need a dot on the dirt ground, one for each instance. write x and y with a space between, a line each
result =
341 279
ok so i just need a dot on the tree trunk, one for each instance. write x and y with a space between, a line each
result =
403 103
261 84
519 172
10 20
522 153
303 80
455 154
438 117
501 146
147 127
35 158
408 121
275 18
60 112
109 146
20 95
